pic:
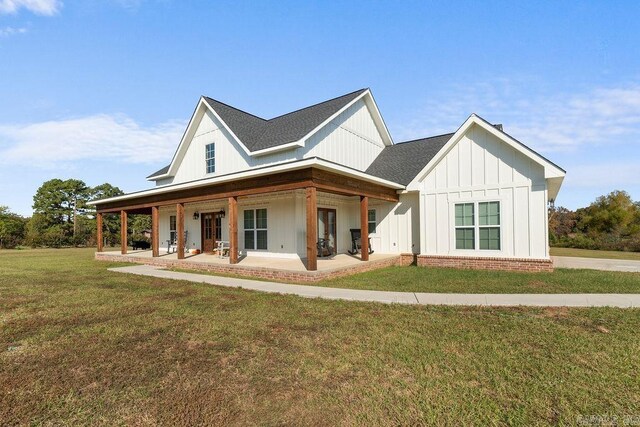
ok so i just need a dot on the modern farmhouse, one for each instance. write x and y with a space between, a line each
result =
329 180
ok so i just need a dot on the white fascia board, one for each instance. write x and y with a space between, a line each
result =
379 120
251 173
550 169
278 148
155 178
246 150
188 132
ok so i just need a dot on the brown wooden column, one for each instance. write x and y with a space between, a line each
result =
99 237
312 228
155 232
364 228
233 230
123 232
180 230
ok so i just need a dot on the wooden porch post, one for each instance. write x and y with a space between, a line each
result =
99 233
123 232
233 230
155 232
180 229
364 228
312 228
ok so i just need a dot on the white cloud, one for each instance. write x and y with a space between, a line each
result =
11 31
551 122
99 137
40 7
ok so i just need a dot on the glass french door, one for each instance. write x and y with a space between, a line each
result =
327 228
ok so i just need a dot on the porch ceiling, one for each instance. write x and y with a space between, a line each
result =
284 181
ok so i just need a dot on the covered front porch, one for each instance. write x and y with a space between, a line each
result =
277 221
280 269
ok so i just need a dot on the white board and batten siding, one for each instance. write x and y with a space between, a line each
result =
351 139
397 225
480 167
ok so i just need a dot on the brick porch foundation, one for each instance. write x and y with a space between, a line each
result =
478 263
254 272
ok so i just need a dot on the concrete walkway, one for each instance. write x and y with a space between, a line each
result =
596 263
540 300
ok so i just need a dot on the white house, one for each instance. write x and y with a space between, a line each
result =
275 188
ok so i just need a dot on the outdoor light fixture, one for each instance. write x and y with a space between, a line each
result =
196 215
221 213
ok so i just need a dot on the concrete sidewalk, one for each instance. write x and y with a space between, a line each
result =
596 263
421 298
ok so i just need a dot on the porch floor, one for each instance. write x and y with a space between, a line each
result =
339 261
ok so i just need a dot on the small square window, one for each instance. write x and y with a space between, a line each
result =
465 238
464 214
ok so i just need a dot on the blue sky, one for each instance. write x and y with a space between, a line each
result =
101 90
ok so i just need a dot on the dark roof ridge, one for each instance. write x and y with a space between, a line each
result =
235 108
317 104
425 138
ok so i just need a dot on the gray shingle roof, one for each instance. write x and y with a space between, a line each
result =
159 172
403 161
258 134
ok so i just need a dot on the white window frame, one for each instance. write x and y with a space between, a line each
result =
255 229
207 158
476 227
374 222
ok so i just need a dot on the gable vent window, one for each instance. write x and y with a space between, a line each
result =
210 157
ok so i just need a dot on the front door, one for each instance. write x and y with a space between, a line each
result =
208 236
327 228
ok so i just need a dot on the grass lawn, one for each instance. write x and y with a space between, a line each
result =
421 279
81 345
586 253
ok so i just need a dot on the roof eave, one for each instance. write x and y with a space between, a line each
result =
551 170
261 171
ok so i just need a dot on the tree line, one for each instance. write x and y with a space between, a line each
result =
612 222
61 217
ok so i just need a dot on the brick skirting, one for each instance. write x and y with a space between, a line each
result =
254 272
479 263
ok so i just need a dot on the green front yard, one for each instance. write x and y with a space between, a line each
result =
81 345
587 253
421 279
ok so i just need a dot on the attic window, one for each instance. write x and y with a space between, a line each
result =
210 157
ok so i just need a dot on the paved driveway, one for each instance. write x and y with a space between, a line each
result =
596 263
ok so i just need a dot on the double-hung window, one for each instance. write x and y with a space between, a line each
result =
489 225
210 157
371 220
255 229
172 228
477 225
465 226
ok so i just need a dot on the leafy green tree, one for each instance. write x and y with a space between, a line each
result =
104 191
612 214
111 223
36 230
61 202
12 228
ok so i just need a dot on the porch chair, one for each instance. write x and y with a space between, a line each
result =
356 244
323 248
172 245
